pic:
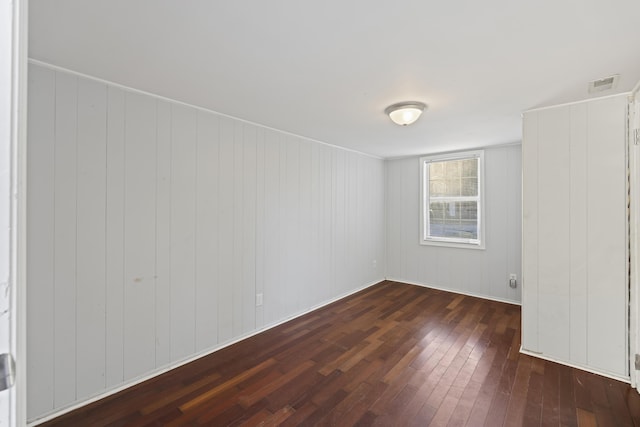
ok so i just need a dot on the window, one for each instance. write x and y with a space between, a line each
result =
452 200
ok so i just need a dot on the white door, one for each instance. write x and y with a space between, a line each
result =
7 396
575 272
12 66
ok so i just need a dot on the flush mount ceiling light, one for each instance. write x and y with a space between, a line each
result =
405 113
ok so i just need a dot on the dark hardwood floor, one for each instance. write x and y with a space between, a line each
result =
392 355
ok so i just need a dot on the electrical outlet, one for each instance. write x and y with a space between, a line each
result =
258 300
513 280
375 264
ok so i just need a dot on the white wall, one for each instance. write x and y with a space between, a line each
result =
575 236
152 226
471 271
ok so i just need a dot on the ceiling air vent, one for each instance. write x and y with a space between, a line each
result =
603 84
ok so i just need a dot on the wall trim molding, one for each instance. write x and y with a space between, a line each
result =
175 101
582 101
461 150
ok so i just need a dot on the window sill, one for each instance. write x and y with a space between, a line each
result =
456 245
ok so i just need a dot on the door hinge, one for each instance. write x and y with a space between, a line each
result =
7 371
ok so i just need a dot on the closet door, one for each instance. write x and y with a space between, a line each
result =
575 284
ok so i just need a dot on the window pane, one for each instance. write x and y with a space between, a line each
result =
453 169
468 210
436 170
437 211
437 187
469 186
453 178
470 168
453 187
453 219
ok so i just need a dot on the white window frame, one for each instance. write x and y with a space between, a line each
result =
452 242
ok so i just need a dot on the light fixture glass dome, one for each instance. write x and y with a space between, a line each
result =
405 113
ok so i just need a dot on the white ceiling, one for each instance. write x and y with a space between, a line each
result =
327 69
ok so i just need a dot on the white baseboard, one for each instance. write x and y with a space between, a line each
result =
454 291
624 379
177 364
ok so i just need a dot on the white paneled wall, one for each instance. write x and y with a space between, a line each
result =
476 272
153 225
575 244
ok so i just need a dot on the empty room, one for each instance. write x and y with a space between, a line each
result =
320 213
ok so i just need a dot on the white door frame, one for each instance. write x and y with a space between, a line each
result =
13 142
634 235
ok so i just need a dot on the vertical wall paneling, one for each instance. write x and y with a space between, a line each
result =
349 202
114 358
306 299
578 231
286 224
237 184
315 223
290 211
485 272
445 267
317 219
91 237
496 212
40 241
293 252
514 220
371 202
553 231
530 229
366 204
606 241
226 216
340 223
352 222
183 230
260 222
206 292
410 181
376 200
65 237
163 235
394 199
575 238
272 234
153 225
139 235
248 255
406 176
334 224
328 222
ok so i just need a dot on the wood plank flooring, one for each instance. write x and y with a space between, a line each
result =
391 355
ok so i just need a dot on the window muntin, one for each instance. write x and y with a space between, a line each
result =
452 200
